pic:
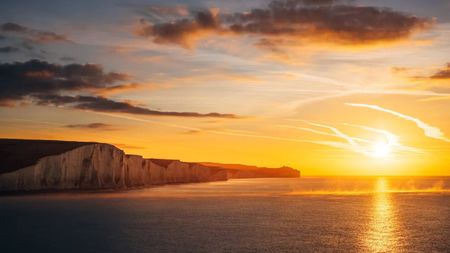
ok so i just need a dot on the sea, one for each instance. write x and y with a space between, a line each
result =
308 214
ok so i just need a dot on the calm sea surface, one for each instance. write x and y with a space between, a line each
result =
259 215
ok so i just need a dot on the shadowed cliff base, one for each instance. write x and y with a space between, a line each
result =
38 165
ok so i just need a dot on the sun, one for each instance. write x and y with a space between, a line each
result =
380 149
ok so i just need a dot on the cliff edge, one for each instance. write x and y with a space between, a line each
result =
34 165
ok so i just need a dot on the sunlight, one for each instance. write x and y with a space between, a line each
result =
380 149
382 236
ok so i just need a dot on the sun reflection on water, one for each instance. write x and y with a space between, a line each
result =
383 228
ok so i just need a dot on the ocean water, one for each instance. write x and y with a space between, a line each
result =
347 214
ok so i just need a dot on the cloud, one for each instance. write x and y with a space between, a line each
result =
60 85
97 126
437 81
255 135
160 12
102 104
295 20
119 88
27 40
182 31
34 77
315 131
391 139
352 143
429 131
9 49
337 132
443 73
32 34
192 132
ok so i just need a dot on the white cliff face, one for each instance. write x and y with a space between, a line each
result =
103 166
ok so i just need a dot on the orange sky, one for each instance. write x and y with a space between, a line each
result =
363 95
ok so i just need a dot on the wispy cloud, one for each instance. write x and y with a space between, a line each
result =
391 139
93 126
246 134
352 143
337 132
430 131
315 131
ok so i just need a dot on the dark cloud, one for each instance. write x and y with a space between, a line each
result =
181 31
9 49
190 132
97 126
12 27
21 79
60 85
102 104
32 34
322 20
442 73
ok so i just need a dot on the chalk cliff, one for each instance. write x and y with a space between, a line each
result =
54 165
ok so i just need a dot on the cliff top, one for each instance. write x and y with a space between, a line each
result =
16 153
242 166
163 162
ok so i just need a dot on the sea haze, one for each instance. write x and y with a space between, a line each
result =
330 214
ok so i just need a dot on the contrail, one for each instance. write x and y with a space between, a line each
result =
336 131
350 144
257 136
307 129
392 139
430 131
355 147
354 143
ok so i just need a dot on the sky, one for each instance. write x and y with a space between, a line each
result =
330 87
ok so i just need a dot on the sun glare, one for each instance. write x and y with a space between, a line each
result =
380 149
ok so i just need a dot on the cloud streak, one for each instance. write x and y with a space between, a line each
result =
355 147
8 49
349 144
354 144
337 132
315 131
391 139
443 73
94 126
102 104
429 131
32 34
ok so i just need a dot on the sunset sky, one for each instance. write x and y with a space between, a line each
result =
329 87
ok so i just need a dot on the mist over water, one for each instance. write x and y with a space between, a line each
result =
324 214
